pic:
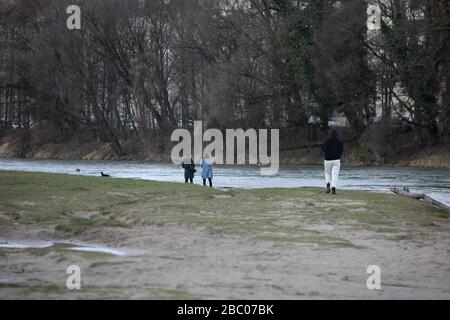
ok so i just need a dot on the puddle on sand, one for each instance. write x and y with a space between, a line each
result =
25 244
114 252
33 244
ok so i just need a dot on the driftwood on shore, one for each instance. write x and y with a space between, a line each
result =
419 196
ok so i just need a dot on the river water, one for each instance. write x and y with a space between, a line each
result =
435 183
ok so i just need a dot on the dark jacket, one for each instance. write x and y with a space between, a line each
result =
332 149
189 170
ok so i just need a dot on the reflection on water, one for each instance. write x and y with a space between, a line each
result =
435 183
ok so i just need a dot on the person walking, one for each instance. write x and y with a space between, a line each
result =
207 171
332 149
189 169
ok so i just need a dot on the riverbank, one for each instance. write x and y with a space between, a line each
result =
196 242
357 153
437 157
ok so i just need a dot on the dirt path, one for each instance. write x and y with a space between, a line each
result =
181 262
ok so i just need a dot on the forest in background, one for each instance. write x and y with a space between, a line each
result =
138 69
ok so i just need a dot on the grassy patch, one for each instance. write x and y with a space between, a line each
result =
320 241
278 215
77 225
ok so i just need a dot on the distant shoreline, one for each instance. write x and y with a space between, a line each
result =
424 160
356 153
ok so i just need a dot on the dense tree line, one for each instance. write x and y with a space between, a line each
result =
138 69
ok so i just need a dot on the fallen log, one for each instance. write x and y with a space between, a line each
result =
419 196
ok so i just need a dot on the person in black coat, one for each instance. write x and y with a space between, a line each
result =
332 149
189 170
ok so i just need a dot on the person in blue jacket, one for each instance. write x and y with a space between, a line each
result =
207 171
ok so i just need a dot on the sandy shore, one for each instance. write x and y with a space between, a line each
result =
174 259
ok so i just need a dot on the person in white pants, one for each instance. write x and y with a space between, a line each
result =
332 149
332 169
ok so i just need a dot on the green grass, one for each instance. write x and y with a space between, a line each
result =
77 225
75 204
